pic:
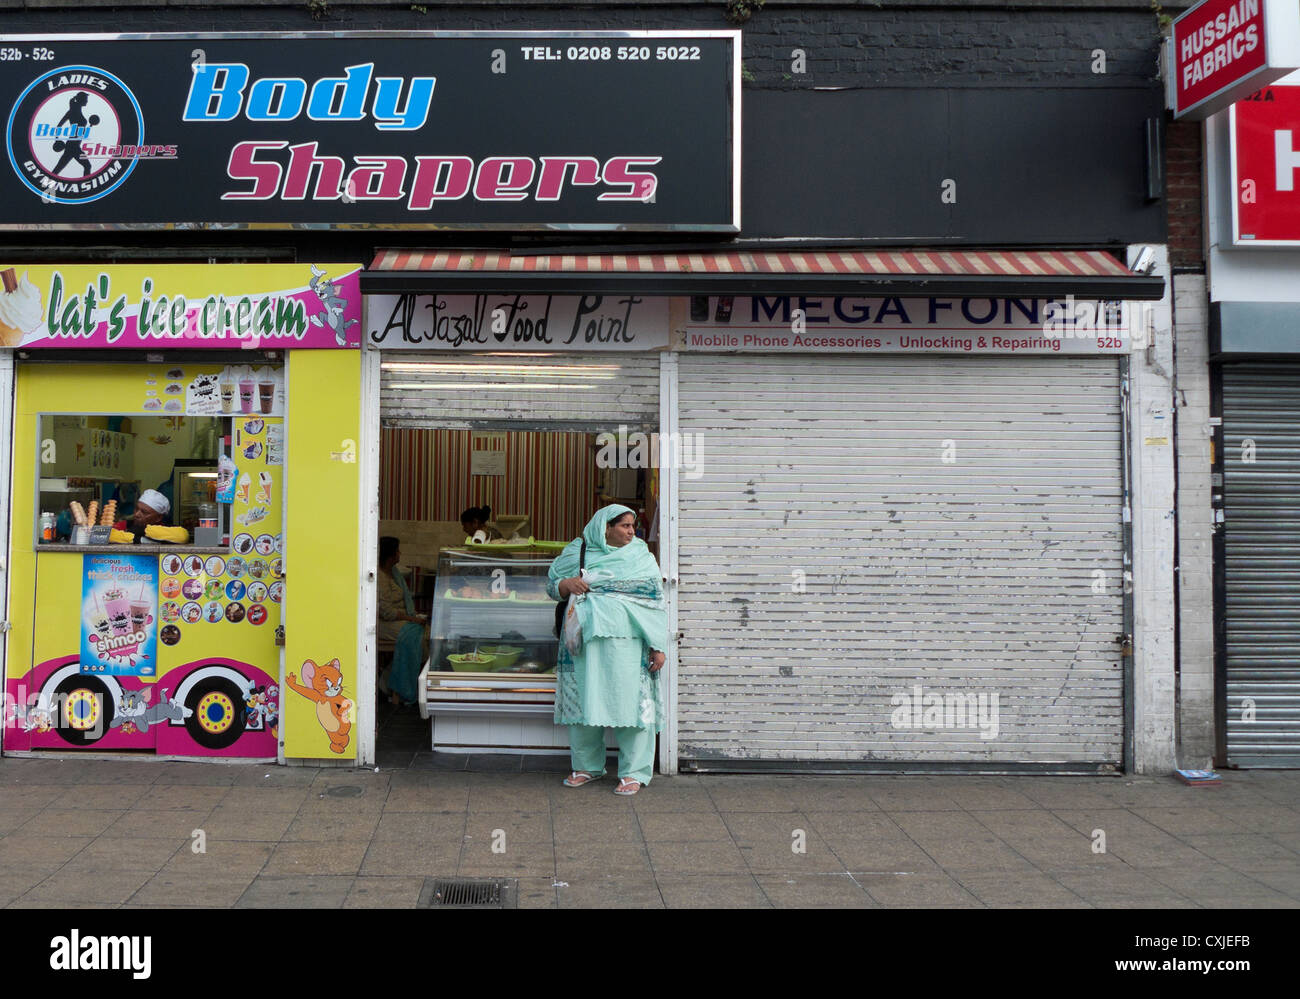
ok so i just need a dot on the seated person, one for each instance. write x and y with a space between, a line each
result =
475 522
151 508
398 623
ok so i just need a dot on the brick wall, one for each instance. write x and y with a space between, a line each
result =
1183 177
872 45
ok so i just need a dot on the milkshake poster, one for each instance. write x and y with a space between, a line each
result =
119 614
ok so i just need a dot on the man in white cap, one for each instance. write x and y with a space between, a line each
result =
151 508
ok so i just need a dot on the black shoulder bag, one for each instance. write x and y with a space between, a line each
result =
563 605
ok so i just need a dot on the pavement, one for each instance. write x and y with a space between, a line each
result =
108 833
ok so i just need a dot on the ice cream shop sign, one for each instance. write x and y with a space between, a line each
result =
269 306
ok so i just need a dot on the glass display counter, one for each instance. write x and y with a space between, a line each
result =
490 681
491 614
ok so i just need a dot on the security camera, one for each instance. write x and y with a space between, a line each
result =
1146 261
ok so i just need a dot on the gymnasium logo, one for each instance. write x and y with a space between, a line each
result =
75 135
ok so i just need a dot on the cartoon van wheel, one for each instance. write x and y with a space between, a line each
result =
86 707
218 713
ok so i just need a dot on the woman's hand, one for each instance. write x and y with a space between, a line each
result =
572 586
417 618
656 661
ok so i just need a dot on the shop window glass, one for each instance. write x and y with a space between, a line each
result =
85 459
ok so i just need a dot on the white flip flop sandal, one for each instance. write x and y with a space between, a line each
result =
573 781
627 786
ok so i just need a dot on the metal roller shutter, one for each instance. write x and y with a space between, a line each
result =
1261 539
559 391
975 576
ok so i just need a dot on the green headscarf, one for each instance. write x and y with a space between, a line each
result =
631 604
632 561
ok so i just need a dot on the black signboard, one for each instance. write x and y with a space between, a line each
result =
488 130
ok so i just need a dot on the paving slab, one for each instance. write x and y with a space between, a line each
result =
1019 889
302 859
814 891
60 822
77 888
919 890
383 892
141 824
696 858
609 893
145 854
426 859
712 891
303 892
166 890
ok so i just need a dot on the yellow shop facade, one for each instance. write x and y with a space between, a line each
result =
224 399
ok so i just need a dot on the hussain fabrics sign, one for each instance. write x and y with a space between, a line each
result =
1222 49
1266 168
488 130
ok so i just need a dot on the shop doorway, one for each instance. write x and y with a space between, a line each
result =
529 447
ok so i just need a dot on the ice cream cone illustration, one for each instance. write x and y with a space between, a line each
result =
245 483
264 487
20 308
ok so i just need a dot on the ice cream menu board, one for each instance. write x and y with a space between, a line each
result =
204 594
119 613
255 511
244 588
204 390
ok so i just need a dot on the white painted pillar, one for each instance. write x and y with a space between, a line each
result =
1152 460
368 539
668 553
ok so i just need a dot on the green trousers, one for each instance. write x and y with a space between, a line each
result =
636 751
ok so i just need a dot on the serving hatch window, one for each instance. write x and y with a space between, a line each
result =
93 469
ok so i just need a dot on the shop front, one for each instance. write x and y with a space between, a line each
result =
511 407
163 417
1254 226
868 508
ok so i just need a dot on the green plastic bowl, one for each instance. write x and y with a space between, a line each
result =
505 655
460 663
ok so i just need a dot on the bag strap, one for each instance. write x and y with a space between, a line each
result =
582 555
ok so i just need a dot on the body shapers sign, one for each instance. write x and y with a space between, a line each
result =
608 130
909 326
262 306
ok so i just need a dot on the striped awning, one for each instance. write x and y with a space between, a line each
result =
1041 273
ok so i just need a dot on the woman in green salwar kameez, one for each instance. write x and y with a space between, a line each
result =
613 679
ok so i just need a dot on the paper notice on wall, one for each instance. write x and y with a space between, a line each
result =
487 463
275 443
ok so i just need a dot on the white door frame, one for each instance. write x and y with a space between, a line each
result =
368 507
668 514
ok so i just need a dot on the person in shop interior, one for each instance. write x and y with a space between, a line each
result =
398 623
610 676
151 508
475 521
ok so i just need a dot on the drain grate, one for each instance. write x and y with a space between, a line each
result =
465 893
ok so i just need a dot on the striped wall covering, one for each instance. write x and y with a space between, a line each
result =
425 475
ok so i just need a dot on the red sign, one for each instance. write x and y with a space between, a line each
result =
1266 168
1216 45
